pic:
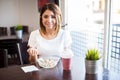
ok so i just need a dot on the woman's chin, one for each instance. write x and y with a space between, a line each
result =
49 27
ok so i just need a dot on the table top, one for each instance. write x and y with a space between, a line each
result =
25 37
77 72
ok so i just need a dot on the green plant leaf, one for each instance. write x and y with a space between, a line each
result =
92 54
18 27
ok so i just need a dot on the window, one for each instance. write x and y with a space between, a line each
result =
114 51
86 25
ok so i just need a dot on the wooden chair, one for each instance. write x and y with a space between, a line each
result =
3 31
25 29
13 47
12 30
3 58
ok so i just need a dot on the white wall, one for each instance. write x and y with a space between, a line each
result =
23 12
29 14
8 12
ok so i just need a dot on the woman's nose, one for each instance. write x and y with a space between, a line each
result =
49 19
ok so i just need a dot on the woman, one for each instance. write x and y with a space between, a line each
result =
50 39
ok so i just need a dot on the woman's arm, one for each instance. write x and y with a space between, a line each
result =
32 51
67 45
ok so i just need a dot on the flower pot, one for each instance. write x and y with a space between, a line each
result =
19 34
91 66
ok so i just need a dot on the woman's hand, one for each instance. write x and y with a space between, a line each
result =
33 53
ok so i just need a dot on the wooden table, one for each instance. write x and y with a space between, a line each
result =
24 38
77 72
13 40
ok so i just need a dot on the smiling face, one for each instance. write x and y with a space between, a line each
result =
48 19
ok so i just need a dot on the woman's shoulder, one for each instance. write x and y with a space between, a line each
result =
64 31
35 31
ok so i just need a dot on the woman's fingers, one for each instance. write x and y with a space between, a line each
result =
32 51
33 54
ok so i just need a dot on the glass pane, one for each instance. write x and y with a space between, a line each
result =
115 47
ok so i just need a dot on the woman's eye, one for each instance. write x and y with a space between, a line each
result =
46 16
53 16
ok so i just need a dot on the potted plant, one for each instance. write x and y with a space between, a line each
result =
18 29
92 60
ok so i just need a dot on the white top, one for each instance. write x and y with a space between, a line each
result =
54 46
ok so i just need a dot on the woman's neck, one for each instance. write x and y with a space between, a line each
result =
48 35
49 32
